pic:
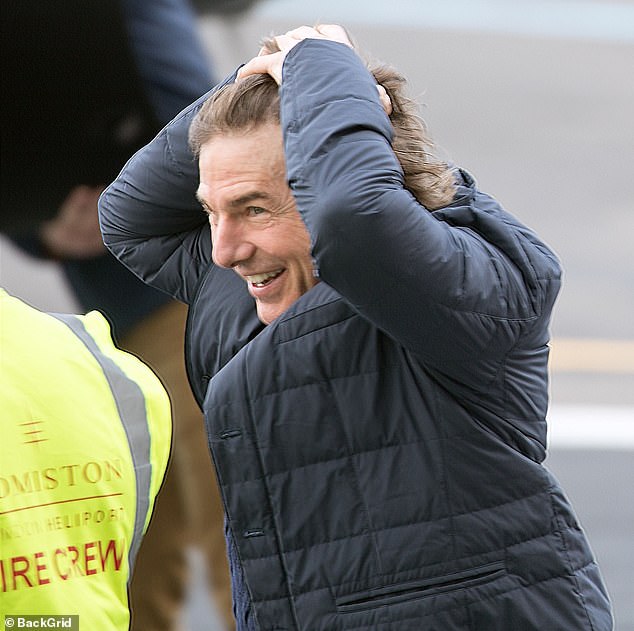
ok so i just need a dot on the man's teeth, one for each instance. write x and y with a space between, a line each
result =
259 280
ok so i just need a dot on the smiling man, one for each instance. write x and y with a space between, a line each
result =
256 229
378 435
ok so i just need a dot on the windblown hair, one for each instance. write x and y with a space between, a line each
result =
254 101
429 179
236 108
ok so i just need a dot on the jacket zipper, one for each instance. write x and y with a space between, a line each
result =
420 589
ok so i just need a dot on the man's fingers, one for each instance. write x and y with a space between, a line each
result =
286 41
264 64
256 65
334 32
304 32
271 63
384 97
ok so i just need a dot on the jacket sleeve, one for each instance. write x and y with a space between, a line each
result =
461 284
150 217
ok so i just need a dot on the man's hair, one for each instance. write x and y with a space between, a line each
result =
236 108
254 101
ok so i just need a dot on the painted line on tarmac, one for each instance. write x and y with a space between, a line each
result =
600 427
557 19
588 355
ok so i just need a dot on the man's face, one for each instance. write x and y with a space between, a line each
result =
256 229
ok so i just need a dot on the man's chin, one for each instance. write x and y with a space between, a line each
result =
268 313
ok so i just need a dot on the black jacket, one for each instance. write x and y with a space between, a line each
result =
379 445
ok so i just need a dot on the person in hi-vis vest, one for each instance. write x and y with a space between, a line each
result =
86 436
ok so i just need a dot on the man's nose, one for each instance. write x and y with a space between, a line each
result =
230 242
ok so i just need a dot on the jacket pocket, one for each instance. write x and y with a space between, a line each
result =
403 592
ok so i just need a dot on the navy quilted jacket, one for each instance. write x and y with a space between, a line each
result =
379 445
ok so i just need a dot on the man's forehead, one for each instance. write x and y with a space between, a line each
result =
267 135
239 176
257 155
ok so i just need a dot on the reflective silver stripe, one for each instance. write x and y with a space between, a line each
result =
130 402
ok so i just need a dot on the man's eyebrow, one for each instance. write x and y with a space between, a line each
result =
249 197
238 201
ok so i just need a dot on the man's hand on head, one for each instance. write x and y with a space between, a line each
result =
271 61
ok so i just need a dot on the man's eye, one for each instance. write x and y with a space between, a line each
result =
255 211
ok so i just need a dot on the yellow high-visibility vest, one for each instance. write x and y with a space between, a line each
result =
85 437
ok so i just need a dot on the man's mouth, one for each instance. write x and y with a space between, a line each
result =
261 280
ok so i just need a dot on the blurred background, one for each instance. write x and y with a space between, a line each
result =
536 100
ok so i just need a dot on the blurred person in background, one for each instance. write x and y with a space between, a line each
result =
369 338
85 84
86 435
